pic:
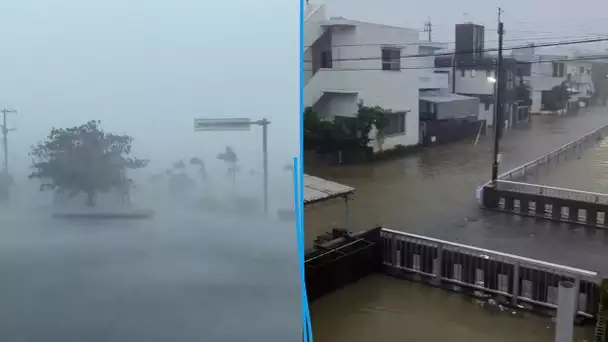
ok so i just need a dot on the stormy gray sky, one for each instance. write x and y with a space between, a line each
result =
148 68
541 20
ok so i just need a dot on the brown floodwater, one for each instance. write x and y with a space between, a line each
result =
432 193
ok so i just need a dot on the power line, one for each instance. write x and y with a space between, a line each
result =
586 41
533 61
586 36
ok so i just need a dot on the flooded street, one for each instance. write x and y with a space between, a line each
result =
432 193
591 168
380 308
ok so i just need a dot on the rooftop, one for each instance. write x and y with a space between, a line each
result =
318 189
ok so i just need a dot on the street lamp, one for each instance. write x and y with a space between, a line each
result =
494 81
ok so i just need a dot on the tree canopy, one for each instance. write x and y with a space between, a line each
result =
557 97
83 159
344 133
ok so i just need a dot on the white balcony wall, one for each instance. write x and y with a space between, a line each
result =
474 82
543 83
313 17
432 80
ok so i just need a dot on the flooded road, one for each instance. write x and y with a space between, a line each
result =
433 193
181 276
591 168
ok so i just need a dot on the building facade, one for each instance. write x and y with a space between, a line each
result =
472 73
350 63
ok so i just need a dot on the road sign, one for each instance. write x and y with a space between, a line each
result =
233 124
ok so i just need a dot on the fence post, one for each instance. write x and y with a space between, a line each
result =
515 284
438 265
566 309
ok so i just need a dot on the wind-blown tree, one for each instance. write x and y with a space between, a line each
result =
230 158
202 169
83 159
557 97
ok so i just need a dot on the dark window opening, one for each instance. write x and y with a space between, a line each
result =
391 59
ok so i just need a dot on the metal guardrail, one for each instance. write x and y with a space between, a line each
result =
551 191
520 279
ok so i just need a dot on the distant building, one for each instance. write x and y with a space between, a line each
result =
471 71
578 76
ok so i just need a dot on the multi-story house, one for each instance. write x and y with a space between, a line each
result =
546 73
472 72
578 76
349 63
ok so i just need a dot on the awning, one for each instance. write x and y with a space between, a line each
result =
440 96
318 189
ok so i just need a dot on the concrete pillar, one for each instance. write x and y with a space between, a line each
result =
566 309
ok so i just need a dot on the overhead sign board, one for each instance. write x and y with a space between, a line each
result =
233 124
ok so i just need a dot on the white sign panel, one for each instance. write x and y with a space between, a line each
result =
237 124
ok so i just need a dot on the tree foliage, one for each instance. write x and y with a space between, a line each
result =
557 97
344 133
83 159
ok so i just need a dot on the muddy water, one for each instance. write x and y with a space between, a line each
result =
589 173
380 308
433 193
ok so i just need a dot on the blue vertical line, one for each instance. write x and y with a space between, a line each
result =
306 326
299 235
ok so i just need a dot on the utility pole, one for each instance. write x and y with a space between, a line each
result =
498 106
428 27
5 131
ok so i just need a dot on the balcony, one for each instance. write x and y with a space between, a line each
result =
543 83
583 78
431 80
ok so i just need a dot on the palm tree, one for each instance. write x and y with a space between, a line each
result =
202 169
230 158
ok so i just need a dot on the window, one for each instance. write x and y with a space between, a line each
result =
391 59
396 124
326 60
582 70
462 72
489 74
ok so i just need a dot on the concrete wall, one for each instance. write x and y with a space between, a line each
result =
474 82
487 115
537 97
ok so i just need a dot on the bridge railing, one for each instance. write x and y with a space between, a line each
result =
552 158
521 280
551 191
582 143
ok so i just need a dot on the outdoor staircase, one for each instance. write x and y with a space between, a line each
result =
602 316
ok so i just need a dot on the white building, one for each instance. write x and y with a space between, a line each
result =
348 63
546 72
578 74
